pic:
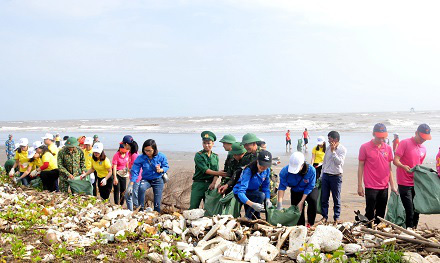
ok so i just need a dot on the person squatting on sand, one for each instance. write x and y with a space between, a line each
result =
255 176
375 172
21 161
410 153
154 166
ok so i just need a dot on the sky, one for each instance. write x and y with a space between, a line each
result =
139 59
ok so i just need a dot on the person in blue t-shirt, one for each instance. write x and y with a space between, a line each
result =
301 178
254 177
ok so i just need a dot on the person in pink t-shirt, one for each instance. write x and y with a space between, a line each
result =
410 153
131 194
120 171
374 169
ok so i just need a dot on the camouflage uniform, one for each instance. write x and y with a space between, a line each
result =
70 163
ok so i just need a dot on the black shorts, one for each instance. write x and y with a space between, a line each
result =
289 142
306 141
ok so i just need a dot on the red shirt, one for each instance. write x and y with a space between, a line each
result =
287 136
395 143
306 134
411 154
376 164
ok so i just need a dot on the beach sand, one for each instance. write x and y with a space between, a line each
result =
182 168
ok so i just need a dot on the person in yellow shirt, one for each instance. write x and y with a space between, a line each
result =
88 156
58 140
318 153
33 163
103 167
21 161
48 140
49 172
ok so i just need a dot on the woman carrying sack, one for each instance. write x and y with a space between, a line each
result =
300 177
154 165
120 173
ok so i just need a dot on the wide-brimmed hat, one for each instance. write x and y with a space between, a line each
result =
228 138
237 148
249 138
71 142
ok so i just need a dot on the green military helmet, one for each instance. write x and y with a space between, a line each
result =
208 135
71 142
237 148
228 138
249 138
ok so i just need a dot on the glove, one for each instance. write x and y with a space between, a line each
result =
279 205
268 204
12 172
129 189
15 180
104 182
33 173
257 207
165 178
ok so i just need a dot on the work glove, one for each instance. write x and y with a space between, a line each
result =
33 173
129 189
257 207
165 178
279 205
12 172
104 182
268 204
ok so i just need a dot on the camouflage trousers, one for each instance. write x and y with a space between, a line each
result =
63 184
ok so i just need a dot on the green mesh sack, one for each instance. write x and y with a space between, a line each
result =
427 189
395 210
230 205
212 205
79 186
285 217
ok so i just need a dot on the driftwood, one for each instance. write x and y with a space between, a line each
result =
403 230
407 239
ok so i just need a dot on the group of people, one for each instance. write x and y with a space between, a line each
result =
302 142
129 174
246 173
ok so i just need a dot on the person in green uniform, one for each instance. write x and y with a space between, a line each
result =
237 151
227 141
71 163
249 141
206 170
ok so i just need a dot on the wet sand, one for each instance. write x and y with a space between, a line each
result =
182 169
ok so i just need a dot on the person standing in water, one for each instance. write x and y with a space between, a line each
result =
288 141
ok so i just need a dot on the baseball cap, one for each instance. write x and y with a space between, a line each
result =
424 131
17 145
295 162
98 148
264 158
88 140
23 142
47 136
10 135
320 140
380 130
37 144
127 139
95 136
31 152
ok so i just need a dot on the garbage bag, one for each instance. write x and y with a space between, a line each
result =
212 205
8 165
395 210
285 217
79 186
318 200
37 183
427 189
230 205
299 145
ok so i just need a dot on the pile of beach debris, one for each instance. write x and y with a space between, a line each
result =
42 226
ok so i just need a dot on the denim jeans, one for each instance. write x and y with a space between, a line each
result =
333 184
157 185
25 180
255 196
132 199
